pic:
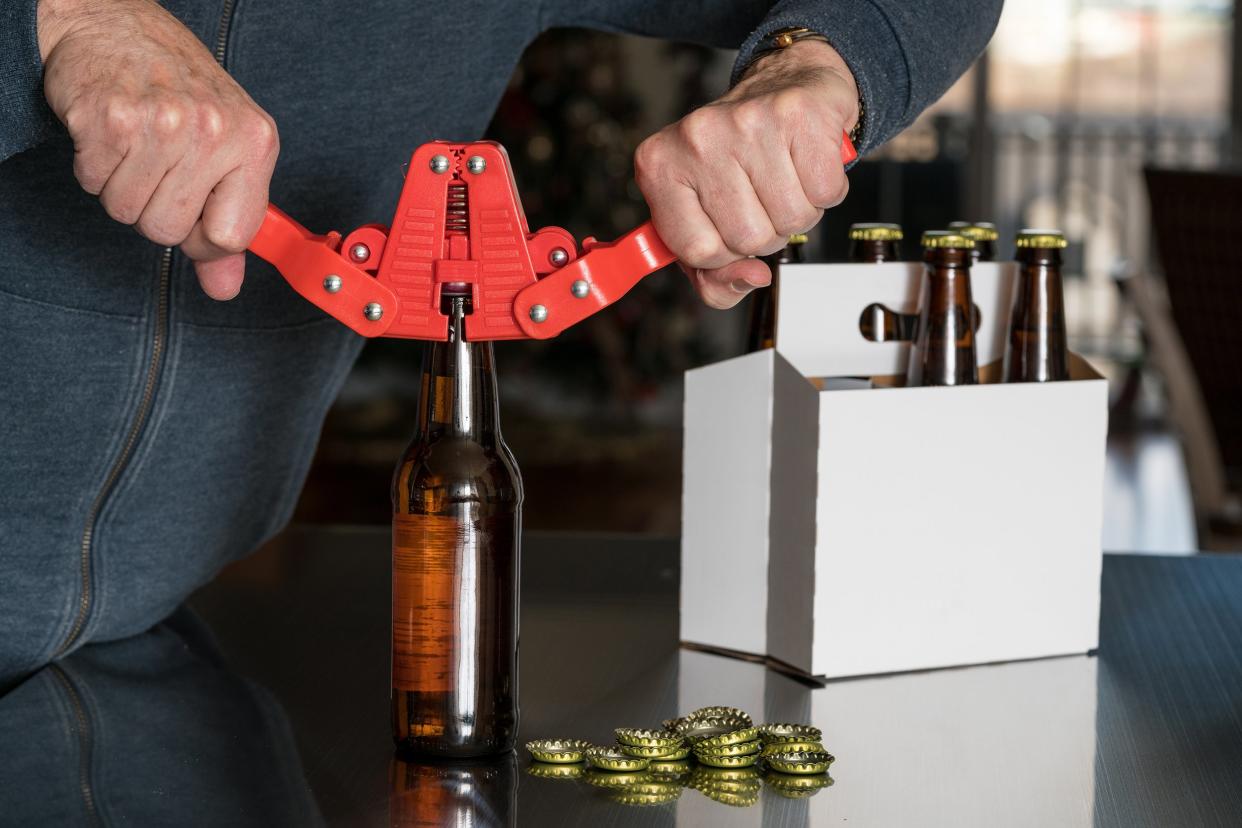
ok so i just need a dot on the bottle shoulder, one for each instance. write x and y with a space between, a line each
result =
454 470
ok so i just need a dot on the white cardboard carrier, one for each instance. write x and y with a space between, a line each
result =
876 530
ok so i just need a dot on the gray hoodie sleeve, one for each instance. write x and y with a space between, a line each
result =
25 118
904 54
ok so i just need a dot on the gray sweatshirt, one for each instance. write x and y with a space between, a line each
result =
150 434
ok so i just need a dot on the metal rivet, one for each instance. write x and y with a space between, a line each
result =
558 256
373 311
538 313
580 289
476 164
332 283
360 252
439 164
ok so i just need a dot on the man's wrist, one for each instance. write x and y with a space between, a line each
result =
799 56
55 18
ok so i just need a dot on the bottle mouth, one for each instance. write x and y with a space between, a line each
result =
451 292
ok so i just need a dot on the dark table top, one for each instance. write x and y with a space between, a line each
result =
160 730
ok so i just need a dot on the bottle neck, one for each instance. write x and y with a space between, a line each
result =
459 396
873 251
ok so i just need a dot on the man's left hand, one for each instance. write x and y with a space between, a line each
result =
736 178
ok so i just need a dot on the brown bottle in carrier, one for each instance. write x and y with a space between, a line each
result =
761 325
1035 347
943 352
874 243
456 528
984 235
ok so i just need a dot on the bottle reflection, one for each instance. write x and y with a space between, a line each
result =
457 793
152 730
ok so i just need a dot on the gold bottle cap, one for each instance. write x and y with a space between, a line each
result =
798 238
718 711
942 239
696 730
784 732
1044 239
613 759
977 230
558 751
728 761
800 762
745 734
641 737
790 747
875 231
659 752
737 749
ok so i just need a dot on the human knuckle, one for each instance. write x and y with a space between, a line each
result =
225 235
751 240
122 208
840 192
790 106
210 120
647 158
699 251
751 118
698 132
262 134
90 175
163 230
121 118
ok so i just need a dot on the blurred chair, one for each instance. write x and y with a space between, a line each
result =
1193 323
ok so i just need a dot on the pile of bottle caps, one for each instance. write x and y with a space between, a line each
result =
718 751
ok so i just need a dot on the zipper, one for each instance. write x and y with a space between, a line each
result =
131 439
222 31
85 741
148 391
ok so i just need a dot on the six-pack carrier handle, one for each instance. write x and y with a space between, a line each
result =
459 229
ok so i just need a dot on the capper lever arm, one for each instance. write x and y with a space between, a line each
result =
459 229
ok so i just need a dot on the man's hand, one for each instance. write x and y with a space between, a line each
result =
737 177
167 140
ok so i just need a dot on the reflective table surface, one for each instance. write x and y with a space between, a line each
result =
267 704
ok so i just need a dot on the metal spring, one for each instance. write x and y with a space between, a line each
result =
457 216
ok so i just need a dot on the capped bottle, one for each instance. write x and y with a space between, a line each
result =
943 352
456 530
761 324
984 235
874 242
1035 346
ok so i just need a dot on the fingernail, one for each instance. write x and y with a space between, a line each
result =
742 286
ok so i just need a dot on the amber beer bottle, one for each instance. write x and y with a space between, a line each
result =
1035 348
874 243
984 235
456 527
761 327
944 349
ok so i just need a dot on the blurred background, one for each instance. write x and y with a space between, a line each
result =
1078 112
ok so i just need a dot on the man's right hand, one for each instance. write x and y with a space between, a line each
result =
162 134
